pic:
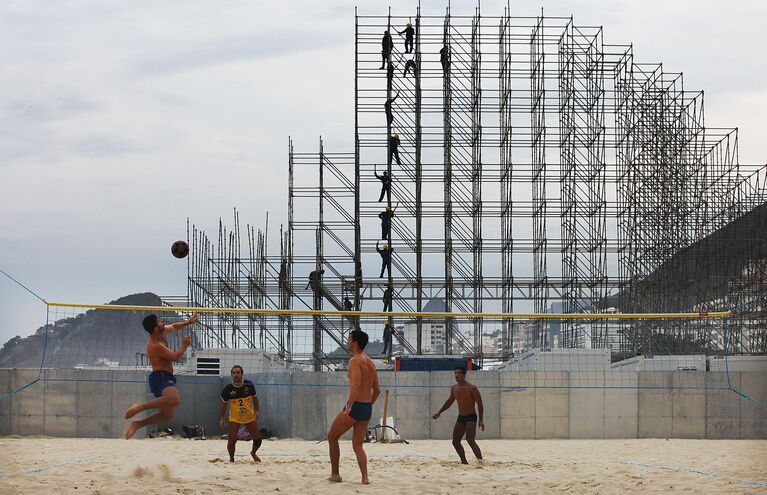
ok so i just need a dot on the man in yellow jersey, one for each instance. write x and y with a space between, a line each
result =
241 397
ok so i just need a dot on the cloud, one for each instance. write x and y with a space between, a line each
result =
105 146
247 47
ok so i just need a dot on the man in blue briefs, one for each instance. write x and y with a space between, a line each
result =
363 392
162 382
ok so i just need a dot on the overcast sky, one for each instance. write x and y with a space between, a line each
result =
120 119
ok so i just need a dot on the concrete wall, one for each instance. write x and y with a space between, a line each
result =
518 405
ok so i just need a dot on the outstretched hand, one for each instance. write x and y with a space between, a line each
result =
192 319
435 416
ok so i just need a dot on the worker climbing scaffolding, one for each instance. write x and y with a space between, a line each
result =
385 253
409 33
387 45
393 149
386 217
387 109
385 179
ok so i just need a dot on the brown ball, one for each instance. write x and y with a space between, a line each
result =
180 249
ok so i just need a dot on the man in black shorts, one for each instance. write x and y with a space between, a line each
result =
467 394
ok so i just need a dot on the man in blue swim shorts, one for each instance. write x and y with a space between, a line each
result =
363 392
162 383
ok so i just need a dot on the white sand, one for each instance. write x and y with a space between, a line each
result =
54 465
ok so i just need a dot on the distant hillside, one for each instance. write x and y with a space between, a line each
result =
94 336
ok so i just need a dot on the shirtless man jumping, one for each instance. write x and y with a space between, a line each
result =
466 394
363 392
161 380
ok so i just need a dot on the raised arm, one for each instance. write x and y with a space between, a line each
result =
178 326
165 353
446 405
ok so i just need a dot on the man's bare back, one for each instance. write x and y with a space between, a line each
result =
363 390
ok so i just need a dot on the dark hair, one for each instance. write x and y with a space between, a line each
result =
461 369
360 338
237 366
149 323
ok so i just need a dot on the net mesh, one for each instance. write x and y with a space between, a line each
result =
108 343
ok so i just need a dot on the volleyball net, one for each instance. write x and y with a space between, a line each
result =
675 351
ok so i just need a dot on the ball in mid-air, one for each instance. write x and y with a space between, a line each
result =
180 249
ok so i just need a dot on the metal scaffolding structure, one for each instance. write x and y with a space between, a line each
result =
536 169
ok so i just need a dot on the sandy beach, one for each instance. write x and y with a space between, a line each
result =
171 466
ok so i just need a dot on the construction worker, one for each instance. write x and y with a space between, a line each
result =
389 75
409 33
444 59
314 278
283 277
410 64
387 109
394 148
385 185
388 297
386 217
387 45
385 253
387 338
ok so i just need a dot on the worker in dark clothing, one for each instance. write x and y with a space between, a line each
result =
388 297
385 185
314 277
389 75
444 59
283 277
348 305
387 109
385 253
410 64
409 33
387 338
394 148
387 45
386 217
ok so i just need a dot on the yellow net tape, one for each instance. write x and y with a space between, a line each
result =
415 314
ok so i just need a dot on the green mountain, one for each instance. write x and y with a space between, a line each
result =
90 338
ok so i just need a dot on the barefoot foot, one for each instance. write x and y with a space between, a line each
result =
132 411
365 481
132 429
335 478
